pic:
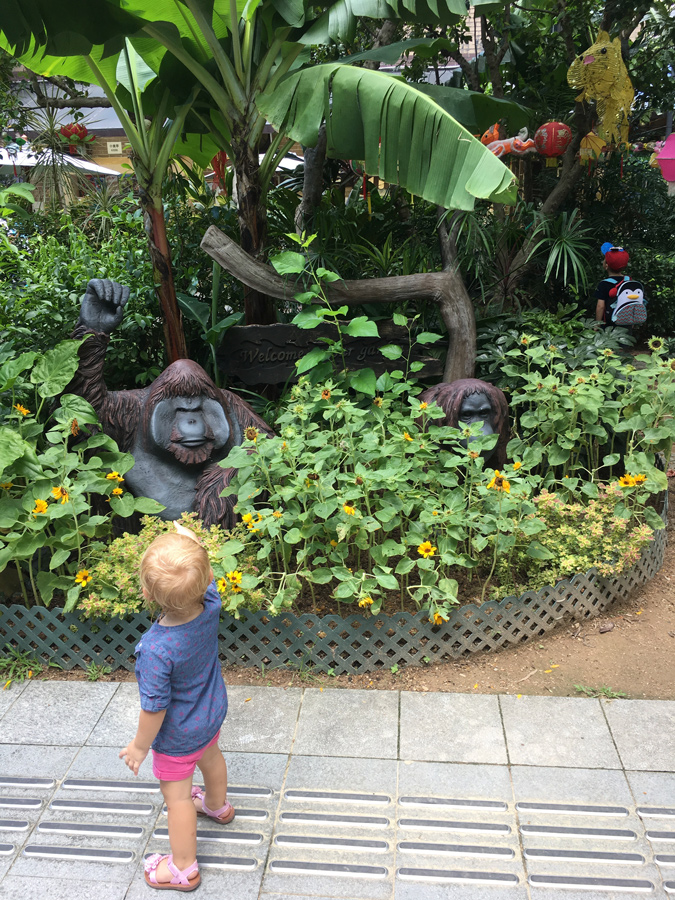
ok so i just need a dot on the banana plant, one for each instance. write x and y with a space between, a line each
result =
250 60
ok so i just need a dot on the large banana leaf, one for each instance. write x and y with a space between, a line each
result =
477 111
403 136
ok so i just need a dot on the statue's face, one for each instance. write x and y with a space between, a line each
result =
189 428
477 408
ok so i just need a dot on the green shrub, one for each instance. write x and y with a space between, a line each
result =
114 589
51 473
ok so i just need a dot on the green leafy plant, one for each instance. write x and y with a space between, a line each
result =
54 465
17 665
96 672
603 691
114 586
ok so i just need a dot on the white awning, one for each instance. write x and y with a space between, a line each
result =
24 158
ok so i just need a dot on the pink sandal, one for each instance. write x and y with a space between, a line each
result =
181 881
224 815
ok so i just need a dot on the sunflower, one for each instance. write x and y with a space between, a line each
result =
364 602
349 510
499 483
426 549
251 434
325 394
83 577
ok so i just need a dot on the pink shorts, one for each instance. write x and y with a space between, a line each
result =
178 768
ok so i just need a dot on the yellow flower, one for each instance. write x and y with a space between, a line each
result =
117 492
234 577
246 518
377 401
473 454
627 480
251 434
333 543
423 405
516 466
349 510
434 512
222 584
83 577
277 514
40 507
438 619
639 479
60 493
114 476
499 483
406 436
284 446
325 394
365 601
607 353
21 409
6 485
236 589
426 549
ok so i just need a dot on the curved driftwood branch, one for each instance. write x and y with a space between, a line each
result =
444 288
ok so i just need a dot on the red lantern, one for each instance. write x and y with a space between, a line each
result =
74 133
551 140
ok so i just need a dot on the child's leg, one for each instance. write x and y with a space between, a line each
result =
182 825
214 769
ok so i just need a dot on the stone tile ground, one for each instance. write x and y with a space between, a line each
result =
357 795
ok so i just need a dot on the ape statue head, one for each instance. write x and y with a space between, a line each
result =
184 415
470 400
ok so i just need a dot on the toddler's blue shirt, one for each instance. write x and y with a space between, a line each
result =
178 670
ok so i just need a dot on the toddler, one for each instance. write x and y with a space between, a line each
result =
614 261
183 701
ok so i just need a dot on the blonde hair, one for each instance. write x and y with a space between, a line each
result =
175 571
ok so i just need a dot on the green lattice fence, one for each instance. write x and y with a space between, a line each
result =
345 644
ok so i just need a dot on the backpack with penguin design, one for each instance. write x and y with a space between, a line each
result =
629 306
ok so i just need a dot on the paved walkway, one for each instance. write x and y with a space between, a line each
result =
360 795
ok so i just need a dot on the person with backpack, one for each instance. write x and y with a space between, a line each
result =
619 299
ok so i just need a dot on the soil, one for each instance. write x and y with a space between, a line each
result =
628 651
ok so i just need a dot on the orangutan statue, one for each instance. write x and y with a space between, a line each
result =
177 429
470 400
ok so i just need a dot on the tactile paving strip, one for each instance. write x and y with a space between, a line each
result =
353 835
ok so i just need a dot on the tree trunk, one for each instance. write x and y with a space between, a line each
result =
162 272
252 214
312 182
445 288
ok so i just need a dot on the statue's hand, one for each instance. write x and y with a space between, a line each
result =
103 305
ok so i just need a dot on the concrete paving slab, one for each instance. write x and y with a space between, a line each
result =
216 884
656 789
415 890
344 774
451 728
260 719
119 720
62 870
104 762
362 724
314 885
452 780
10 695
557 894
644 732
28 888
255 770
38 761
564 785
557 731
56 713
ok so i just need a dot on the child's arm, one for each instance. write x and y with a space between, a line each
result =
149 724
600 310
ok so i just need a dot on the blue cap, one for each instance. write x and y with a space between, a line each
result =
606 246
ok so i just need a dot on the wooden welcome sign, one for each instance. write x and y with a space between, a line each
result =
266 354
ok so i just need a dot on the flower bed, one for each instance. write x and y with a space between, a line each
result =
349 644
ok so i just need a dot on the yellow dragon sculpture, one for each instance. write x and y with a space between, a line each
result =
600 75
